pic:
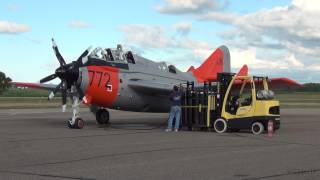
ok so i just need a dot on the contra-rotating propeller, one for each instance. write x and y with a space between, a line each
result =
68 73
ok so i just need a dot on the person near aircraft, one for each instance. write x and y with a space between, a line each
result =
175 111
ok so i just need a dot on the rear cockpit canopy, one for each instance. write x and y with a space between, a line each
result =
164 66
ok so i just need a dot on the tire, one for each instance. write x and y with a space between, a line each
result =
257 128
78 124
102 116
220 125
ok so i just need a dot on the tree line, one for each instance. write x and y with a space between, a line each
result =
4 82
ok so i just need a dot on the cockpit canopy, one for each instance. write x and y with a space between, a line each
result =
117 55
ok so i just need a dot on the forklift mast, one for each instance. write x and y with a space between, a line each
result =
201 103
224 80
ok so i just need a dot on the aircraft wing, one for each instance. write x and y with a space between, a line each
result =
150 87
49 87
283 83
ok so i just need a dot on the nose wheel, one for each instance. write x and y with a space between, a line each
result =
102 116
78 123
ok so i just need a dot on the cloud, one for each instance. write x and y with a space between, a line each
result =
180 50
7 27
286 66
183 28
13 7
310 5
249 57
282 39
148 36
295 28
34 40
190 6
79 25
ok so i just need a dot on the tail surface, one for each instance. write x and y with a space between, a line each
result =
243 71
218 61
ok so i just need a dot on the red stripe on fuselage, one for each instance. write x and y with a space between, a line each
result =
103 85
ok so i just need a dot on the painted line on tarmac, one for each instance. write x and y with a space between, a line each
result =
301 172
44 175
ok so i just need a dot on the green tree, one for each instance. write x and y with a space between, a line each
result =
4 82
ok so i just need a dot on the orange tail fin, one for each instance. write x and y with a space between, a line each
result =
218 61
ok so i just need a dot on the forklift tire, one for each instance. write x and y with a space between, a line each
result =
220 125
257 128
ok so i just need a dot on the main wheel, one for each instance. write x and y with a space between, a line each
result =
78 124
102 116
220 125
257 128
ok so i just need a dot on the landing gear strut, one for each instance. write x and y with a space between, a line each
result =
102 116
75 122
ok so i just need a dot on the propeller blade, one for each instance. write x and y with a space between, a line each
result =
48 78
64 95
58 55
57 88
83 57
53 93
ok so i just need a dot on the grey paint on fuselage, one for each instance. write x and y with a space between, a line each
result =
131 100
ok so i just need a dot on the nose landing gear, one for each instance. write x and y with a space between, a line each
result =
78 123
75 122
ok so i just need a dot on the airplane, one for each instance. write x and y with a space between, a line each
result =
122 80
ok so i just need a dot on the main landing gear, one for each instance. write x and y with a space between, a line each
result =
102 116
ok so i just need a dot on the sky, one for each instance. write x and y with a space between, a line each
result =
279 38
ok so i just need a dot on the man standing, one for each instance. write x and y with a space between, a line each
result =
175 111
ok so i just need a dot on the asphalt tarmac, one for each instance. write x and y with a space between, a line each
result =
36 144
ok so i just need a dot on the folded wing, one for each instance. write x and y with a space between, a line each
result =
35 85
150 87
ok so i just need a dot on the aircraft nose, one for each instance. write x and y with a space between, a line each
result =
61 73
100 85
67 73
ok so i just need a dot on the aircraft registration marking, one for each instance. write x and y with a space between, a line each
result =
100 76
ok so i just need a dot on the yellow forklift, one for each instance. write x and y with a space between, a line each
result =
232 103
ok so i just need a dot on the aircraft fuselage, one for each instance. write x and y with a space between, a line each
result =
107 84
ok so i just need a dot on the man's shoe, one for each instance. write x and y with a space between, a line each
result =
176 130
168 130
